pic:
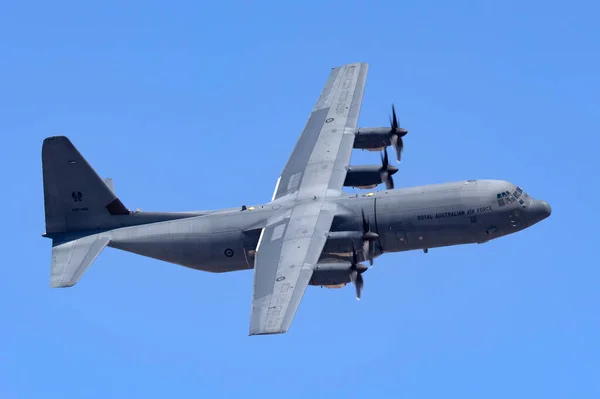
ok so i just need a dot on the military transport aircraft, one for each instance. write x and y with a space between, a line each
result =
310 233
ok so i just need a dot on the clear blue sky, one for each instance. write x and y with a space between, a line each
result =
189 106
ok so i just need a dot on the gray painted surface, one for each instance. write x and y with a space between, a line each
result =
305 235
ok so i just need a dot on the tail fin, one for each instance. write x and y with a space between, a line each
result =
75 197
70 259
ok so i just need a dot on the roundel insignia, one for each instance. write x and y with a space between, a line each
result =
328 120
280 278
229 252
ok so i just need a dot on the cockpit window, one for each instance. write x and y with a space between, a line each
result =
507 197
518 192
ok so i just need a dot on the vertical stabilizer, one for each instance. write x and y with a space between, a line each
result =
75 197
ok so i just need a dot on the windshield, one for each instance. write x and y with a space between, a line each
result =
507 197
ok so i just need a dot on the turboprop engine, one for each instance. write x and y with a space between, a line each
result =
337 275
369 176
378 138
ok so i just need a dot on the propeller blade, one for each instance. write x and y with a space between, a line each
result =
389 183
394 120
396 141
357 270
367 251
358 284
386 176
399 146
396 134
387 179
371 255
384 158
368 236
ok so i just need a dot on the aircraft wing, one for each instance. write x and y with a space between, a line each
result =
291 243
319 160
288 250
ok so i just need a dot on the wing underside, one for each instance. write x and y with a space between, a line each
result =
289 248
319 159
291 243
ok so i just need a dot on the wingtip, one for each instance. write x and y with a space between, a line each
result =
252 333
61 284
364 64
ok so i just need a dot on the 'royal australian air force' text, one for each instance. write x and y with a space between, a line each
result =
442 215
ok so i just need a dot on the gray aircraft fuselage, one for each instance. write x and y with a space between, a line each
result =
464 212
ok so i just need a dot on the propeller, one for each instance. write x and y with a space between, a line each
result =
356 271
387 171
368 238
396 134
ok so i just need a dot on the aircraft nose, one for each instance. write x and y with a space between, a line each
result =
539 210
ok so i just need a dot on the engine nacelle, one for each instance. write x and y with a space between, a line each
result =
366 176
375 138
372 138
333 275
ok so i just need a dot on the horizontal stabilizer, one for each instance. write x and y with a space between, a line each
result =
71 259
